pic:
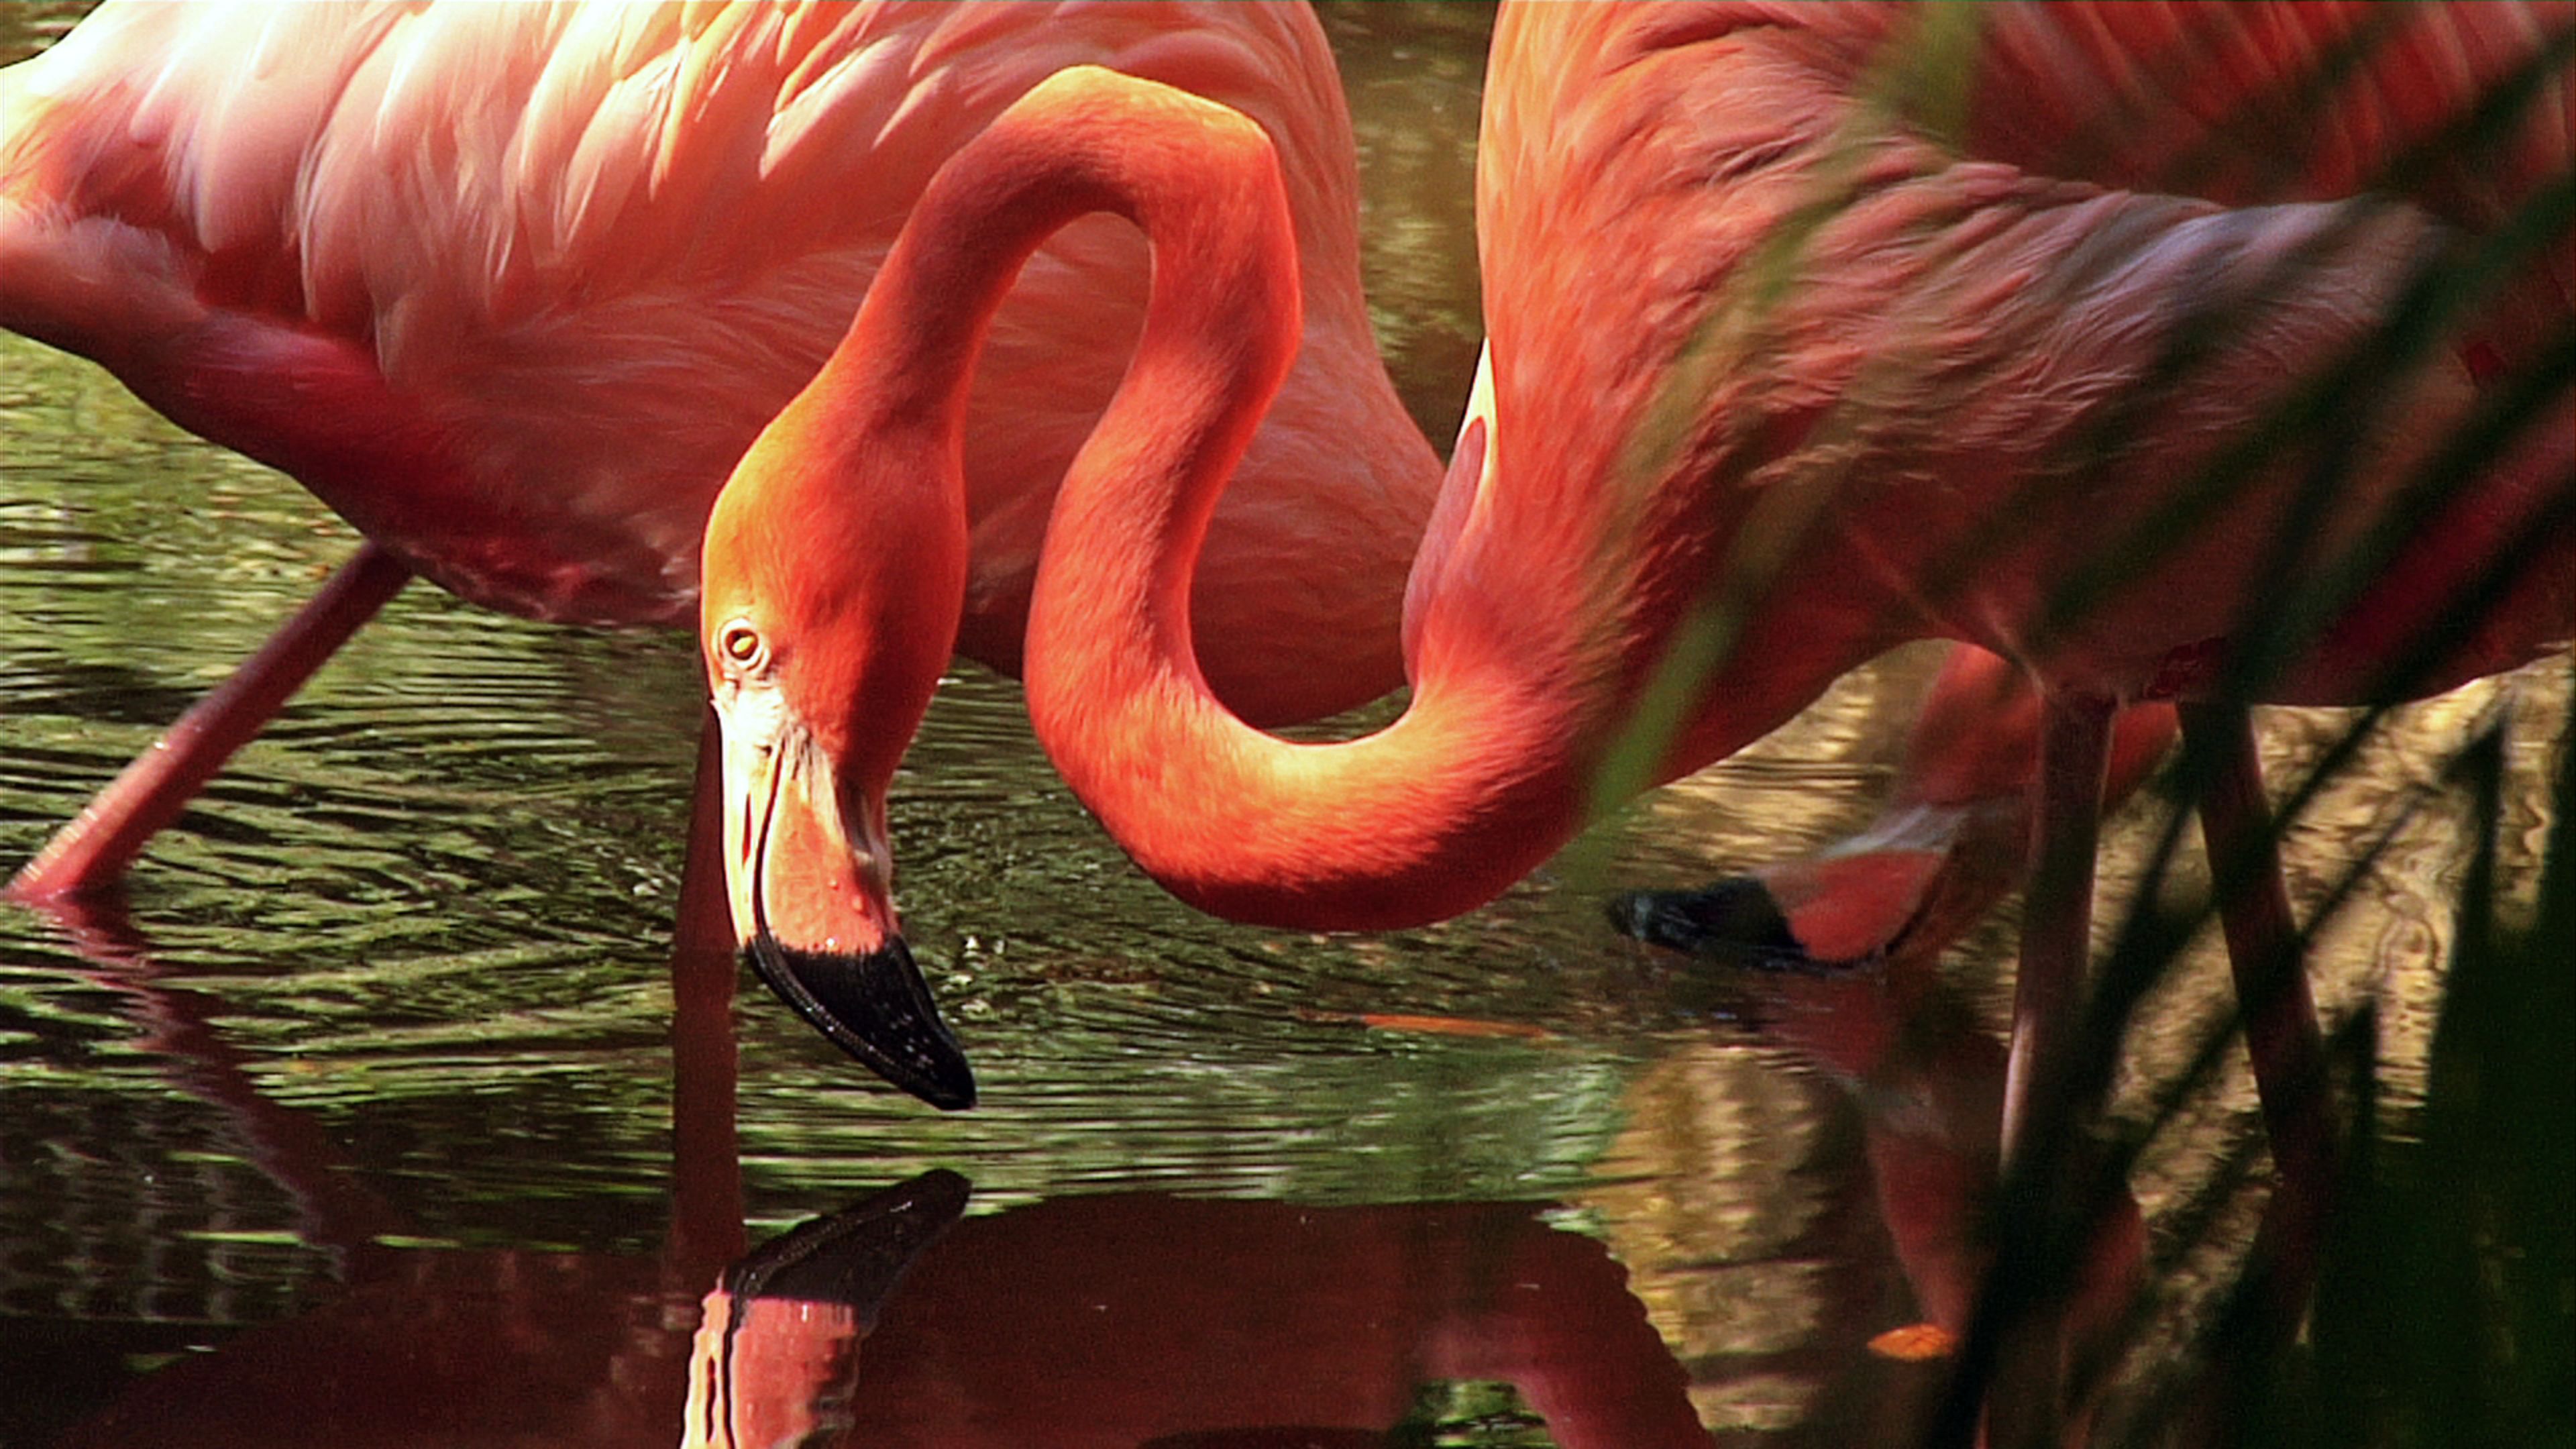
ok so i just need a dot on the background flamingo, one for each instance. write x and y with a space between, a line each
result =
1951 840
1952 346
511 287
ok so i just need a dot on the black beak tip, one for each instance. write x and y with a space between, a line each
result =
874 1006
1735 922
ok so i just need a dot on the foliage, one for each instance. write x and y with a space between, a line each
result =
2445 1307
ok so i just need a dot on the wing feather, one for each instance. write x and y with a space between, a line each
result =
594 246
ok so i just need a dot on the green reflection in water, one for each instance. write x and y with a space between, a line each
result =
429 911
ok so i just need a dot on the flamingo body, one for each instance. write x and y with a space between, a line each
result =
511 287
1948 340
1967 310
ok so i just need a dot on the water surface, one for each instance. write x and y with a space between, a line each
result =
375 1069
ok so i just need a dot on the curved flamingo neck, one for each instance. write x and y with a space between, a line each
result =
1483 777
1537 612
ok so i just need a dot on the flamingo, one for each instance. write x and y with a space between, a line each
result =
1950 840
1549 588
1766 358
511 287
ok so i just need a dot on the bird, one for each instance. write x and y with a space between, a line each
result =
1774 343
1951 838
510 288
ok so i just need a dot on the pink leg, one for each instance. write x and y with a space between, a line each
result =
706 1167
2026 1398
94 849
2057 919
2280 1016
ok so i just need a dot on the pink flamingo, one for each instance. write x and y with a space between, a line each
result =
1550 588
1766 360
511 288
1951 840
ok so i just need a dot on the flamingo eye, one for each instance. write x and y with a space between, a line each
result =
743 647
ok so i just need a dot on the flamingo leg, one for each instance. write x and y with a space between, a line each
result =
2272 991
706 1164
702 937
93 850
2026 1397
2057 921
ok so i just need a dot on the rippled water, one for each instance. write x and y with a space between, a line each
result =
359 1122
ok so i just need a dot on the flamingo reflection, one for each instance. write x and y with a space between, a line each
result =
1121 1320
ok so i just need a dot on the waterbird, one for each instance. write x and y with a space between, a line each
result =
1950 839
1795 354
511 288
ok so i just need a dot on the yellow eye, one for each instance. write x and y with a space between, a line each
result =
743 646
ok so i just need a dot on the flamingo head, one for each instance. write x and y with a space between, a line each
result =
822 649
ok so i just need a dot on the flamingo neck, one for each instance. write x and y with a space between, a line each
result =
1484 776
901 374
1535 617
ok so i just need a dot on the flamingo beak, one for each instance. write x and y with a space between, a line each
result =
812 909
777 1347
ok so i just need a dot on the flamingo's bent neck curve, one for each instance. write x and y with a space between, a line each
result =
1488 770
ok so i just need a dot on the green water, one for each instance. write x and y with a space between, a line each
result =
397 983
